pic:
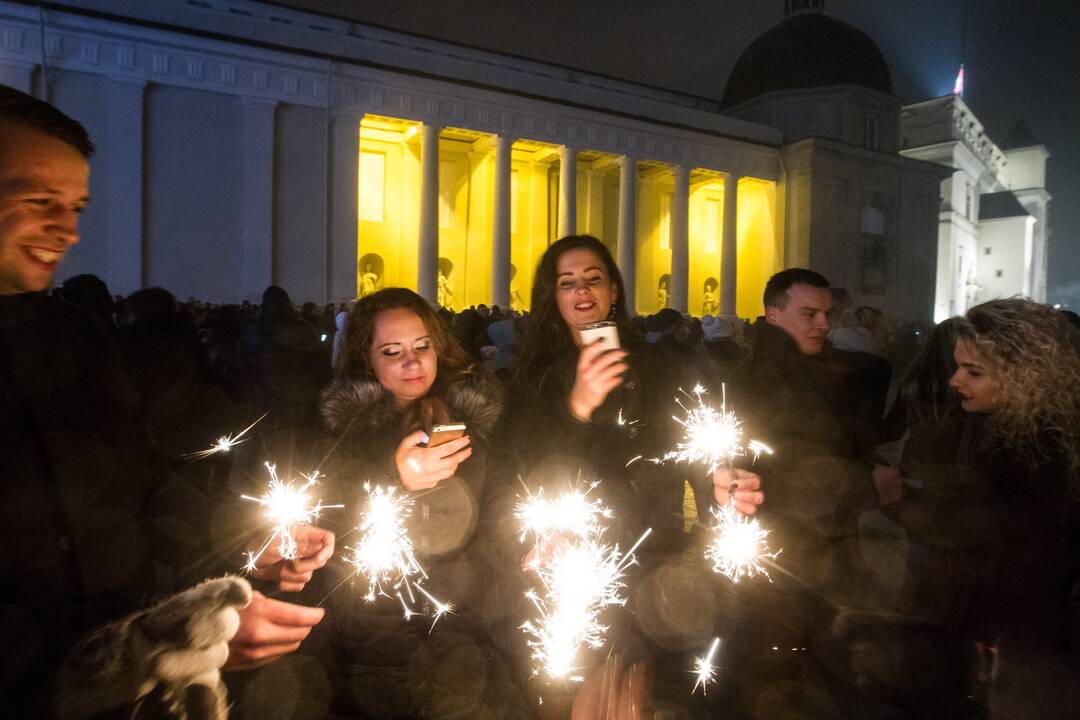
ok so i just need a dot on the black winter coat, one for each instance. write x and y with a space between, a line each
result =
994 552
381 665
813 410
76 480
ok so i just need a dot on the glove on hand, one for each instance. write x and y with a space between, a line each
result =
162 662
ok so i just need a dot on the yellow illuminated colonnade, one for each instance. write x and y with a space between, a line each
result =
389 224
759 245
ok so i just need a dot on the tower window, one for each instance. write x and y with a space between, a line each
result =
1000 273
870 133
987 251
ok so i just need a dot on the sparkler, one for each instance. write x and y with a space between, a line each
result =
738 545
715 438
225 443
703 668
582 578
712 437
571 513
385 555
288 505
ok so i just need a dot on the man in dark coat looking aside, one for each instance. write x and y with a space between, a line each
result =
811 403
77 475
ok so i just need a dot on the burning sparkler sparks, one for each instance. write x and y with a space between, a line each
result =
715 438
385 555
571 513
704 670
225 443
582 577
712 437
739 545
288 506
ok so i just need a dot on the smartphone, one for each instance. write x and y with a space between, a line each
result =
441 434
606 331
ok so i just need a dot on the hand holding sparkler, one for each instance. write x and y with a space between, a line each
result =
599 371
314 547
715 437
288 505
737 486
422 468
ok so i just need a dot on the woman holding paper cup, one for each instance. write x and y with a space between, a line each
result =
591 401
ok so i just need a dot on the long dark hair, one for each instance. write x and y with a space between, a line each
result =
924 391
453 362
546 334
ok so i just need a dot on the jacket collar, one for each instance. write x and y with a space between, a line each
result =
475 398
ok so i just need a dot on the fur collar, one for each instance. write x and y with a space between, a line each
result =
475 399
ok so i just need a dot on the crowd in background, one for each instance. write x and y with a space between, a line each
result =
931 543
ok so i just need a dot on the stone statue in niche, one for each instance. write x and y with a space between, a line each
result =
663 294
516 303
444 292
710 304
370 278
369 281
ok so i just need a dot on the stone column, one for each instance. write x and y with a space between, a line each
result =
628 230
680 239
500 225
124 175
258 183
427 272
729 252
567 191
343 205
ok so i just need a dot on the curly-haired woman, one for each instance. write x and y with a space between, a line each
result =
997 519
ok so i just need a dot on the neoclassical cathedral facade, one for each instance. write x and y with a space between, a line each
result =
242 144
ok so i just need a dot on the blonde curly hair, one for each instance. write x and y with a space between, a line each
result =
1034 354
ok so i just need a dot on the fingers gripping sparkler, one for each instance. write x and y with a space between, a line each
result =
582 577
715 438
385 556
287 505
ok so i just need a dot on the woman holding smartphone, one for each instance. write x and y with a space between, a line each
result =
595 407
401 375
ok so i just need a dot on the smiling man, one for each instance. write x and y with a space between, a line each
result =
78 474
44 186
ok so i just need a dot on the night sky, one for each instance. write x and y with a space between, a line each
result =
1022 59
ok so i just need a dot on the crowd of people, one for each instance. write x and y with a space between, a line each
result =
928 520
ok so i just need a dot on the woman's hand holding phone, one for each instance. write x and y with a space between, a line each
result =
422 468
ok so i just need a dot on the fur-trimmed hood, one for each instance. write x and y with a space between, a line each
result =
475 399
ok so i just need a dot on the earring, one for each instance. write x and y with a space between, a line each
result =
611 313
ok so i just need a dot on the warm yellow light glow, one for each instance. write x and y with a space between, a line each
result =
706 232
388 204
372 191
759 244
532 177
410 133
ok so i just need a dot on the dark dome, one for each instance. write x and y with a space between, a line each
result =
805 51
